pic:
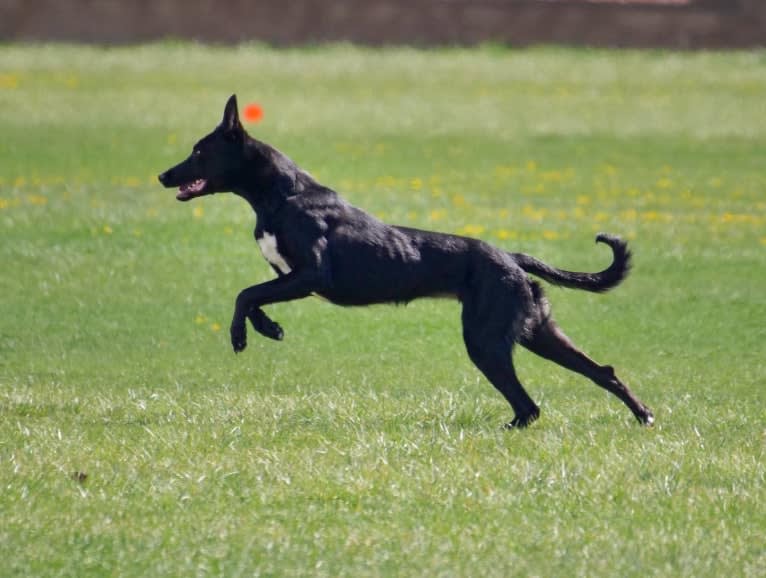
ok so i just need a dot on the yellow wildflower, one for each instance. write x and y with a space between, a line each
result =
532 213
37 200
472 230
387 181
459 200
437 215
552 176
9 81
505 234
629 215
650 216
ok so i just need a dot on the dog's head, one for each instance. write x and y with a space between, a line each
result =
216 160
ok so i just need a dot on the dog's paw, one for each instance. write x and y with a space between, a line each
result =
238 334
273 331
265 326
522 421
646 417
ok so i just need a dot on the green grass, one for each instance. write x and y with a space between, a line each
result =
366 444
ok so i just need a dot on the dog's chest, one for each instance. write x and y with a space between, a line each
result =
268 245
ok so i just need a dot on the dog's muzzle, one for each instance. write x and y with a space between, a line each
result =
164 178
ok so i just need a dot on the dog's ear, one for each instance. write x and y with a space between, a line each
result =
230 122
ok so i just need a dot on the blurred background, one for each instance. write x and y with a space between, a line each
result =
679 24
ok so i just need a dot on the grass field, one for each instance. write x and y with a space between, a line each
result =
133 442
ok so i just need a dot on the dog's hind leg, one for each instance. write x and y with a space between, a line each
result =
549 341
489 341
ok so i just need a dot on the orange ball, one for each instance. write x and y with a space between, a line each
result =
253 112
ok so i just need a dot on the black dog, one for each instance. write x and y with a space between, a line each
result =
319 244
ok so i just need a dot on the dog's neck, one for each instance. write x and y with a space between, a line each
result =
270 178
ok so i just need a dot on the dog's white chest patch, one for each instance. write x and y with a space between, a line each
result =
268 245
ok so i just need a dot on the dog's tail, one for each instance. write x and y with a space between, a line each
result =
596 282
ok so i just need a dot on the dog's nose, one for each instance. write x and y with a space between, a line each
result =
163 177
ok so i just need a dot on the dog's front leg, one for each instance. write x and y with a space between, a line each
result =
296 285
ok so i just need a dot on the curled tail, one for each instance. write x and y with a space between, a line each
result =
596 282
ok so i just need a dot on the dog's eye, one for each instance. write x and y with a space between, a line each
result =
197 152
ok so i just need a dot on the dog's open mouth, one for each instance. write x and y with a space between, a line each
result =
191 190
